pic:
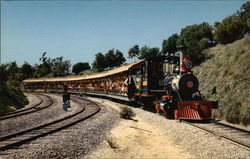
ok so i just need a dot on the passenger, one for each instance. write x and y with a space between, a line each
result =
124 87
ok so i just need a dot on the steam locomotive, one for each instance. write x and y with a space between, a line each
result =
166 82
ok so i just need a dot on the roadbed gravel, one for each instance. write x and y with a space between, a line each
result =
83 138
199 143
33 100
54 112
73 142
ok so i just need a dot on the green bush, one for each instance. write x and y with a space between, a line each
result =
245 115
127 113
233 113
11 96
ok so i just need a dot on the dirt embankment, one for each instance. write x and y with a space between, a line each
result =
153 136
132 139
225 77
137 139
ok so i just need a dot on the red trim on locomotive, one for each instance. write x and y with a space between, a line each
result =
195 110
144 95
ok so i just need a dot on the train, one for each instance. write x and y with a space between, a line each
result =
164 83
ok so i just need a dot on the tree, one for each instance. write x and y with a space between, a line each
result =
4 73
113 58
147 52
45 67
60 67
244 15
119 58
26 70
110 59
99 62
216 24
80 66
229 30
195 33
144 52
196 38
134 51
52 67
170 45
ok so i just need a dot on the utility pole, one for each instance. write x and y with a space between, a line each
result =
1 31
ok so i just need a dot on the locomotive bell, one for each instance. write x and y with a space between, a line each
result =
185 84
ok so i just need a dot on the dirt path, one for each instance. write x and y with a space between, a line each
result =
137 139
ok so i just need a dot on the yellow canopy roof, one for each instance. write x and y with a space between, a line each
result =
117 70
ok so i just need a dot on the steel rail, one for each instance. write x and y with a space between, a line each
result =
25 109
28 110
245 145
229 126
47 128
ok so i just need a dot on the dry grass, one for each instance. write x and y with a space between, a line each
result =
228 69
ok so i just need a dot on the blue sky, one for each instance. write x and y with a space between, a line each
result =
77 30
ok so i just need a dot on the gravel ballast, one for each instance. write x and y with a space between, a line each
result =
73 142
200 143
84 137
193 140
33 100
54 112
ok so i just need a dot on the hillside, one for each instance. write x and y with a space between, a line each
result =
226 73
11 98
11 95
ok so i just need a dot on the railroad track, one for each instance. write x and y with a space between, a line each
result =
231 133
45 102
88 109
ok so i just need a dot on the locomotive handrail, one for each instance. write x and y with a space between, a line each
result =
177 92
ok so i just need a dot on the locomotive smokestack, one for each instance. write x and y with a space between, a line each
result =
181 59
182 50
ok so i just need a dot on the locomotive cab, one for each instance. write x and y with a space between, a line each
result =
149 80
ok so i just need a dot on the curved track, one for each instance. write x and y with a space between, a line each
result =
234 134
88 109
37 107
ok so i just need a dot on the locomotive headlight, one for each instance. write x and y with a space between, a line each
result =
190 84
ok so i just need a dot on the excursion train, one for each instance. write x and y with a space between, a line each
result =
165 82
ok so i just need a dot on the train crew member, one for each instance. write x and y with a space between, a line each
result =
131 86
66 99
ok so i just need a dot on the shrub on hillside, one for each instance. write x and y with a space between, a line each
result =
233 113
245 115
10 89
11 96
